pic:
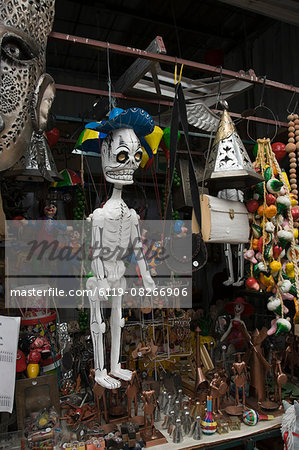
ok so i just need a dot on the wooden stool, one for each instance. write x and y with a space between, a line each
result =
99 393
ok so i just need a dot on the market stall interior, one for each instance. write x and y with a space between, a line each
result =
149 224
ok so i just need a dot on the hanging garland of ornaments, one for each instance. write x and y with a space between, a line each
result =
291 148
176 183
273 251
79 210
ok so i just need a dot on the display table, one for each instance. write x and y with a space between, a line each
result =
246 436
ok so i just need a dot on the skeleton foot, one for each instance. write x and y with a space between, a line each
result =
123 374
105 380
228 282
239 282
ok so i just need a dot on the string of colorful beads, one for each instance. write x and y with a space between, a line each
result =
291 148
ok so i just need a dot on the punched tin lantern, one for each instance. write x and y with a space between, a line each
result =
229 165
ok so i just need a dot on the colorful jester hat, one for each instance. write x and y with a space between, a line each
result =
89 141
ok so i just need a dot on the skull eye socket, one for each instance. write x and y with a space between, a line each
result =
122 157
138 156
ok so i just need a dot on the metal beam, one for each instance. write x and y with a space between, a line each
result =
102 93
138 53
284 11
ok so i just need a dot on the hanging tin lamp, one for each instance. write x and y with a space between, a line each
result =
37 164
228 164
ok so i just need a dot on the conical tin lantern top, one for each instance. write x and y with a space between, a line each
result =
228 164
37 163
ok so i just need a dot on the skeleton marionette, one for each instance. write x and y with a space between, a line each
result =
236 196
115 227
228 170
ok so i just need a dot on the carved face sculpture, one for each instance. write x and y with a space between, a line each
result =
121 155
24 28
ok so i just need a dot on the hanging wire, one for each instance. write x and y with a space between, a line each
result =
155 179
263 92
92 180
176 30
112 101
293 110
225 105
274 117
261 105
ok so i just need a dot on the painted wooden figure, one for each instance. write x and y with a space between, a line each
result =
150 402
115 229
240 372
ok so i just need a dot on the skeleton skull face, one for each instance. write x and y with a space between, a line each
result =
50 211
239 308
121 155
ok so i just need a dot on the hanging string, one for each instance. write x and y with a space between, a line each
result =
175 73
263 92
112 101
92 181
289 109
82 233
155 180
219 95
176 30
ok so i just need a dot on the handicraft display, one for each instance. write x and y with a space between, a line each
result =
273 248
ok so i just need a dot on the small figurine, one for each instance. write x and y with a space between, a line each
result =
51 224
234 335
280 378
240 372
150 402
219 388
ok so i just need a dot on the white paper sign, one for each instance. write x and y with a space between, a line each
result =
9 335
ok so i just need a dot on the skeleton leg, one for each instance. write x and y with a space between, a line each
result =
116 324
240 279
97 328
229 264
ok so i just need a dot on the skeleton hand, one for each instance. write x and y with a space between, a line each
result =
148 282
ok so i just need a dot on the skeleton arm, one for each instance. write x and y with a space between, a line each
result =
138 250
97 264
227 333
